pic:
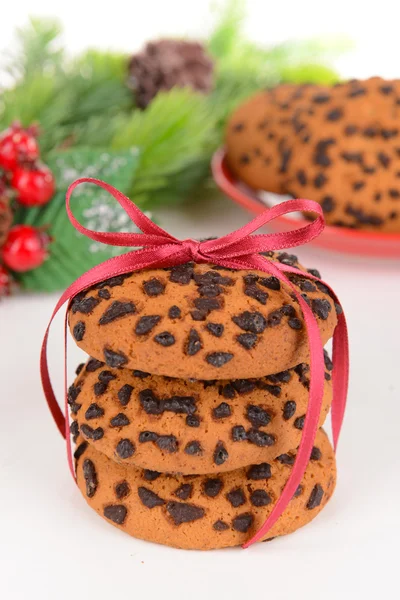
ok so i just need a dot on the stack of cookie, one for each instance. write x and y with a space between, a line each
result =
187 416
337 145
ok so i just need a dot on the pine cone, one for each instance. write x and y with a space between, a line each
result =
165 64
5 215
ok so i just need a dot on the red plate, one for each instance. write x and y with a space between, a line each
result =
341 239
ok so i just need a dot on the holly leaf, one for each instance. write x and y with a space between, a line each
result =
71 253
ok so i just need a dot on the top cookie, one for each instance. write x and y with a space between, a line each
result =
199 321
337 145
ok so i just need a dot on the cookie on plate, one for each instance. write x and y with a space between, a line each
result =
200 321
337 145
187 426
200 511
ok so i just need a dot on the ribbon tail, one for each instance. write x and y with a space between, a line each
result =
311 423
340 376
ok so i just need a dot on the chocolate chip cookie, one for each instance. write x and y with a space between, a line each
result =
337 145
188 426
200 321
200 511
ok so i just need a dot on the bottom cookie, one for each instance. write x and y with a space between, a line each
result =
199 511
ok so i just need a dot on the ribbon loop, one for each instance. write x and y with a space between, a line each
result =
237 250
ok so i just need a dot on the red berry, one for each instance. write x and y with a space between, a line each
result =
34 183
5 282
25 248
17 145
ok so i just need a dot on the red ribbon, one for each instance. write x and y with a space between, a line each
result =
237 250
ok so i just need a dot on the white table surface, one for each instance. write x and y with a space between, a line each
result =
52 545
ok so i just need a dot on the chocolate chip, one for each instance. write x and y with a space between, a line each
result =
74 430
285 155
320 155
384 159
334 115
315 497
260 498
394 194
321 98
295 323
258 472
222 411
327 204
184 513
271 283
236 497
289 409
274 318
321 308
167 443
106 377
165 339
94 411
124 394
257 416
298 492
192 421
125 449
193 448
120 420
182 274
282 377
212 487
147 436
93 364
254 321
358 185
146 324
115 513
327 361
114 359
79 368
350 130
90 433
287 259
219 359
122 490
193 343
184 491
299 422
227 391
275 390
301 177
150 475
117 310
99 388
216 329
243 522
153 287
220 454
247 340
386 89
90 476
207 304
210 291
239 433
260 438
79 331
85 305
174 312
149 498
244 386
354 93
104 294
80 450
320 180
113 281
244 159
238 127
220 525
316 454
286 459
198 315
254 292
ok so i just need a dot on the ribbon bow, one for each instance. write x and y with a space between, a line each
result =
237 250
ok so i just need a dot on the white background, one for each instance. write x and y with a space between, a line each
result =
52 546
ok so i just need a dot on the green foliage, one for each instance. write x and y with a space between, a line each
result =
89 123
71 253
